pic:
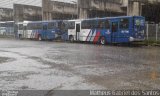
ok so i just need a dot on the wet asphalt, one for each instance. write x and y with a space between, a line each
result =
35 65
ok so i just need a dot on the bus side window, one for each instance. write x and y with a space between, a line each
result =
101 24
85 24
124 23
44 27
39 26
88 24
71 25
20 27
63 27
51 25
114 26
29 26
107 24
25 27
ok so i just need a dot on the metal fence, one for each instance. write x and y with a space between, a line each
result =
152 32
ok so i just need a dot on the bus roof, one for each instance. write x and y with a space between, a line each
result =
108 18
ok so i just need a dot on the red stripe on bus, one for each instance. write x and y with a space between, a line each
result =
96 38
88 34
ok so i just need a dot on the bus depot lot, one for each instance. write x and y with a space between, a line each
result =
36 65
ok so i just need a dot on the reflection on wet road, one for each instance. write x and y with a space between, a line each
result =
51 65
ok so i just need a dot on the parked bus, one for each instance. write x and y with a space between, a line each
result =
41 30
124 29
7 28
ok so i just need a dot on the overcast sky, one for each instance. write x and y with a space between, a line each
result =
9 3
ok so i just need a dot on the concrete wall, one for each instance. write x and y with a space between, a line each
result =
6 14
151 12
135 6
26 12
105 7
58 10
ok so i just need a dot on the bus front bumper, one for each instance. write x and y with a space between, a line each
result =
132 39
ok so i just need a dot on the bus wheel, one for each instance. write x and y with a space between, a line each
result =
102 40
39 37
71 38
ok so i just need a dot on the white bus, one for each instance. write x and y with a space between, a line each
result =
23 32
74 27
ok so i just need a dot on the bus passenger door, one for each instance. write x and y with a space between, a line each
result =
44 32
25 32
114 31
78 29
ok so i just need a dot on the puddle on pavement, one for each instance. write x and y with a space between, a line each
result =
5 59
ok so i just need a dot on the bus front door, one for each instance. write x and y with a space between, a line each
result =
25 32
44 32
114 31
77 31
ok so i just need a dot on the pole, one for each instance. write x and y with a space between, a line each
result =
147 31
77 9
76 3
42 10
156 32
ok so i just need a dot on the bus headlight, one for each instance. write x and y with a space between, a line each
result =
131 39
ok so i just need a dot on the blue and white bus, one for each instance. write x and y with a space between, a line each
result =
124 29
41 30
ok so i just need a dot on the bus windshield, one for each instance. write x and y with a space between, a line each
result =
139 23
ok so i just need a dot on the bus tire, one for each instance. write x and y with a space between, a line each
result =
39 38
71 38
102 40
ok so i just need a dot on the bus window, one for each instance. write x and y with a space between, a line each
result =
107 24
59 25
51 25
85 24
30 26
20 26
25 28
62 26
92 24
114 26
101 24
3 25
44 27
71 25
38 26
139 24
124 24
88 24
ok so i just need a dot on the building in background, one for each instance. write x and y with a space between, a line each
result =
51 10
58 10
81 9
6 14
151 11
27 13
100 8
